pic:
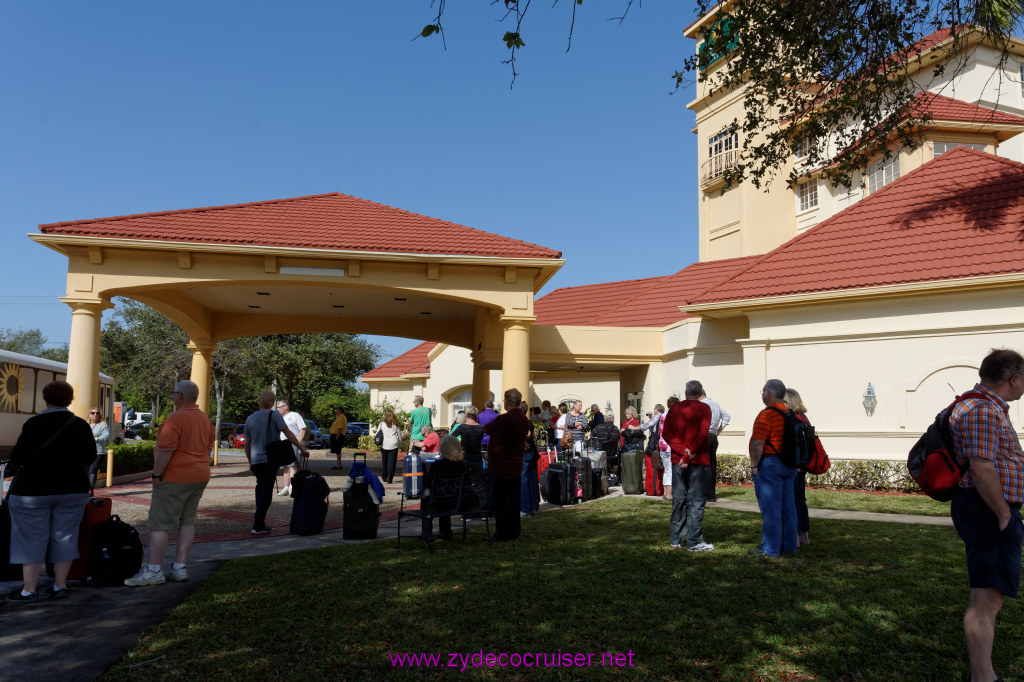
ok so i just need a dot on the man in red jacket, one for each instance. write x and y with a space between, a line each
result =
686 432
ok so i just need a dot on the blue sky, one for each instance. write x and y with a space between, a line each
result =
109 108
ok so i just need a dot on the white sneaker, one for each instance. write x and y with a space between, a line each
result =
178 575
701 547
145 577
287 490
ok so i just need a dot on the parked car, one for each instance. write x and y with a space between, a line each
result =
237 439
314 437
358 429
353 431
139 431
227 430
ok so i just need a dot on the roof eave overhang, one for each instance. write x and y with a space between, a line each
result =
692 30
62 243
743 306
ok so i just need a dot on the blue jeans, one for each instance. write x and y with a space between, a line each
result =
773 486
529 490
689 488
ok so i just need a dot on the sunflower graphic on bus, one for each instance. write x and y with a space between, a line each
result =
13 382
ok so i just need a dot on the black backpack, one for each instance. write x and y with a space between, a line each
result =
933 462
117 552
797 440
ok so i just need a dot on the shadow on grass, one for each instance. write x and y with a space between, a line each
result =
867 601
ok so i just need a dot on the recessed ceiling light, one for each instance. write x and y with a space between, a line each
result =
254 306
263 293
400 299
425 312
337 306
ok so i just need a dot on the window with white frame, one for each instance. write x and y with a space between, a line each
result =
807 194
882 172
943 147
804 145
723 154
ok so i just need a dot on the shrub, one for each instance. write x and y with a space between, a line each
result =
858 474
131 457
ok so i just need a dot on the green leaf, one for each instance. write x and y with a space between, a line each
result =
430 29
512 40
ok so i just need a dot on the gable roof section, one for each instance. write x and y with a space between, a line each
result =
413 361
958 216
324 221
944 108
651 302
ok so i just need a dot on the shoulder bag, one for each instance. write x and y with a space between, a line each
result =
279 452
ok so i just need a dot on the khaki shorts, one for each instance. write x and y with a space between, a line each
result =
174 505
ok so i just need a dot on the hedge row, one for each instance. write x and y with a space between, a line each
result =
855 474
131 457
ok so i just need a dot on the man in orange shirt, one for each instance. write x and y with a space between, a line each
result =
181 470
773 480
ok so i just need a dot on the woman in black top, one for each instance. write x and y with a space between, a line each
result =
471 434
49 491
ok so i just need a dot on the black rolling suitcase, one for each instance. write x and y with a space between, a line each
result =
583 478
309 510
360 514
561 483
599 482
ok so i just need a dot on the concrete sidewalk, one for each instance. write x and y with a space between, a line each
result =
82 636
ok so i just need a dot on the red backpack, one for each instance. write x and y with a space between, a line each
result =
933 462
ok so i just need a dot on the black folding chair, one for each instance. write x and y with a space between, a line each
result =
444 499
476 500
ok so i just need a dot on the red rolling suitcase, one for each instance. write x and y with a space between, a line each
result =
547 458
652 479
97 510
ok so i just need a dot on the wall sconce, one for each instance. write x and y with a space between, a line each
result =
608 405
870 400
433 409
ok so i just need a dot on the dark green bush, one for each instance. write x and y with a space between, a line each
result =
131 457
857 474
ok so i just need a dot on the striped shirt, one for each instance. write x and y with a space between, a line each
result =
769 427
981 428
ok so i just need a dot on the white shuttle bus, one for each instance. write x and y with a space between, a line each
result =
22 378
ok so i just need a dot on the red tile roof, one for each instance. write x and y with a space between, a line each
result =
651 302
322 221
412 361
959 215
944 108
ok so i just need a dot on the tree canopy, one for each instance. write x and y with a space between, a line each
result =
146 354
848 59
32 342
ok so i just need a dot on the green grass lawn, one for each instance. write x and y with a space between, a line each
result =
866 601
849 500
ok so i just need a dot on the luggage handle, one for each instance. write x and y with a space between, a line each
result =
358 454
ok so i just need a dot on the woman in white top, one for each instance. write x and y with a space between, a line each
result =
389 448
560 423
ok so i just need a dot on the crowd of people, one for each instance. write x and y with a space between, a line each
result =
58 454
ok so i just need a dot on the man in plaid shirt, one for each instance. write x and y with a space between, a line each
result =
986 509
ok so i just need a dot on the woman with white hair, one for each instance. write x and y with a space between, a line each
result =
450 462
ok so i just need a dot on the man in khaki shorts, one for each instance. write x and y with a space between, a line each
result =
181 470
